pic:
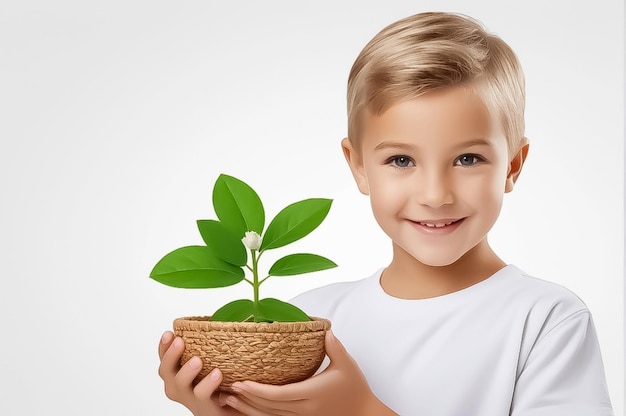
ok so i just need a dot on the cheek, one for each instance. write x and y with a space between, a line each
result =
486 191
387 196
492 197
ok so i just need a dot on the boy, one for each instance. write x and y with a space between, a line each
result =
435 138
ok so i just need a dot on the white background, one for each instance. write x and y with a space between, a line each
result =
116 117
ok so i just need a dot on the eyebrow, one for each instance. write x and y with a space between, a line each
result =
394 145
474 142
401 145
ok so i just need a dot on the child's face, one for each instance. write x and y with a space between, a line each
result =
435 168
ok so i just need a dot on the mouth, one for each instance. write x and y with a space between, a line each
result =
439 225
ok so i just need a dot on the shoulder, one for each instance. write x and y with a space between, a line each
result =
541 296
541 304
324 301
559 355
547 315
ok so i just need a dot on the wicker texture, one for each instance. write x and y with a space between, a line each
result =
271 353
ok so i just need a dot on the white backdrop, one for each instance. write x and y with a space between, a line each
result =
116 118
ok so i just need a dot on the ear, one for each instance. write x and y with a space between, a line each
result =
515 165
355 161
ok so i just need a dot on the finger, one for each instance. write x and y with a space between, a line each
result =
170 362
250 408
164 344
269 392
269 405
188 372
335 349
208 385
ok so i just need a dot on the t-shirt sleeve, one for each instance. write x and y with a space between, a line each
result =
563 374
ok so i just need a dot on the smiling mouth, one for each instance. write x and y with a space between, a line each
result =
437 224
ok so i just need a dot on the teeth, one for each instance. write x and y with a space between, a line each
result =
433 225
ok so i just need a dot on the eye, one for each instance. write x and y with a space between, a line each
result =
400 161
468 160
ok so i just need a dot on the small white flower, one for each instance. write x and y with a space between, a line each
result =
252 240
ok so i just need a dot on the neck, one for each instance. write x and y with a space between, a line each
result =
408 278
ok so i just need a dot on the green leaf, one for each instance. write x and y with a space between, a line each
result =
235 311
195 267
295 221
238 206
300 263
275 310
223 242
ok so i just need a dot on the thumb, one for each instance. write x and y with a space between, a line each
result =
335 349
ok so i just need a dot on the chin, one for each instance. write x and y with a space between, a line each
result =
434 255
437 261
442 263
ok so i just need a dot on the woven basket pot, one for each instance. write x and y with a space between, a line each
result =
270 353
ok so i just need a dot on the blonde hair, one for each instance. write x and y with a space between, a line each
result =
430 51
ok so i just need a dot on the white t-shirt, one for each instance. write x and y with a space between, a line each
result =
511 344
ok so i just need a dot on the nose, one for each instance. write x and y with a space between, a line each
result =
434 189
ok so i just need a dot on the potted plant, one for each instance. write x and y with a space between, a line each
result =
261 339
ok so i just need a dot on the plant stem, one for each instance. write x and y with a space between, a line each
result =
255 284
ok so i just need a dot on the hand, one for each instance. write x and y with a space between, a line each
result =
201 400
341 389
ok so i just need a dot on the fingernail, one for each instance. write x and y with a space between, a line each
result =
231 401
178 343
214 374
237 387
166 337
195 363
